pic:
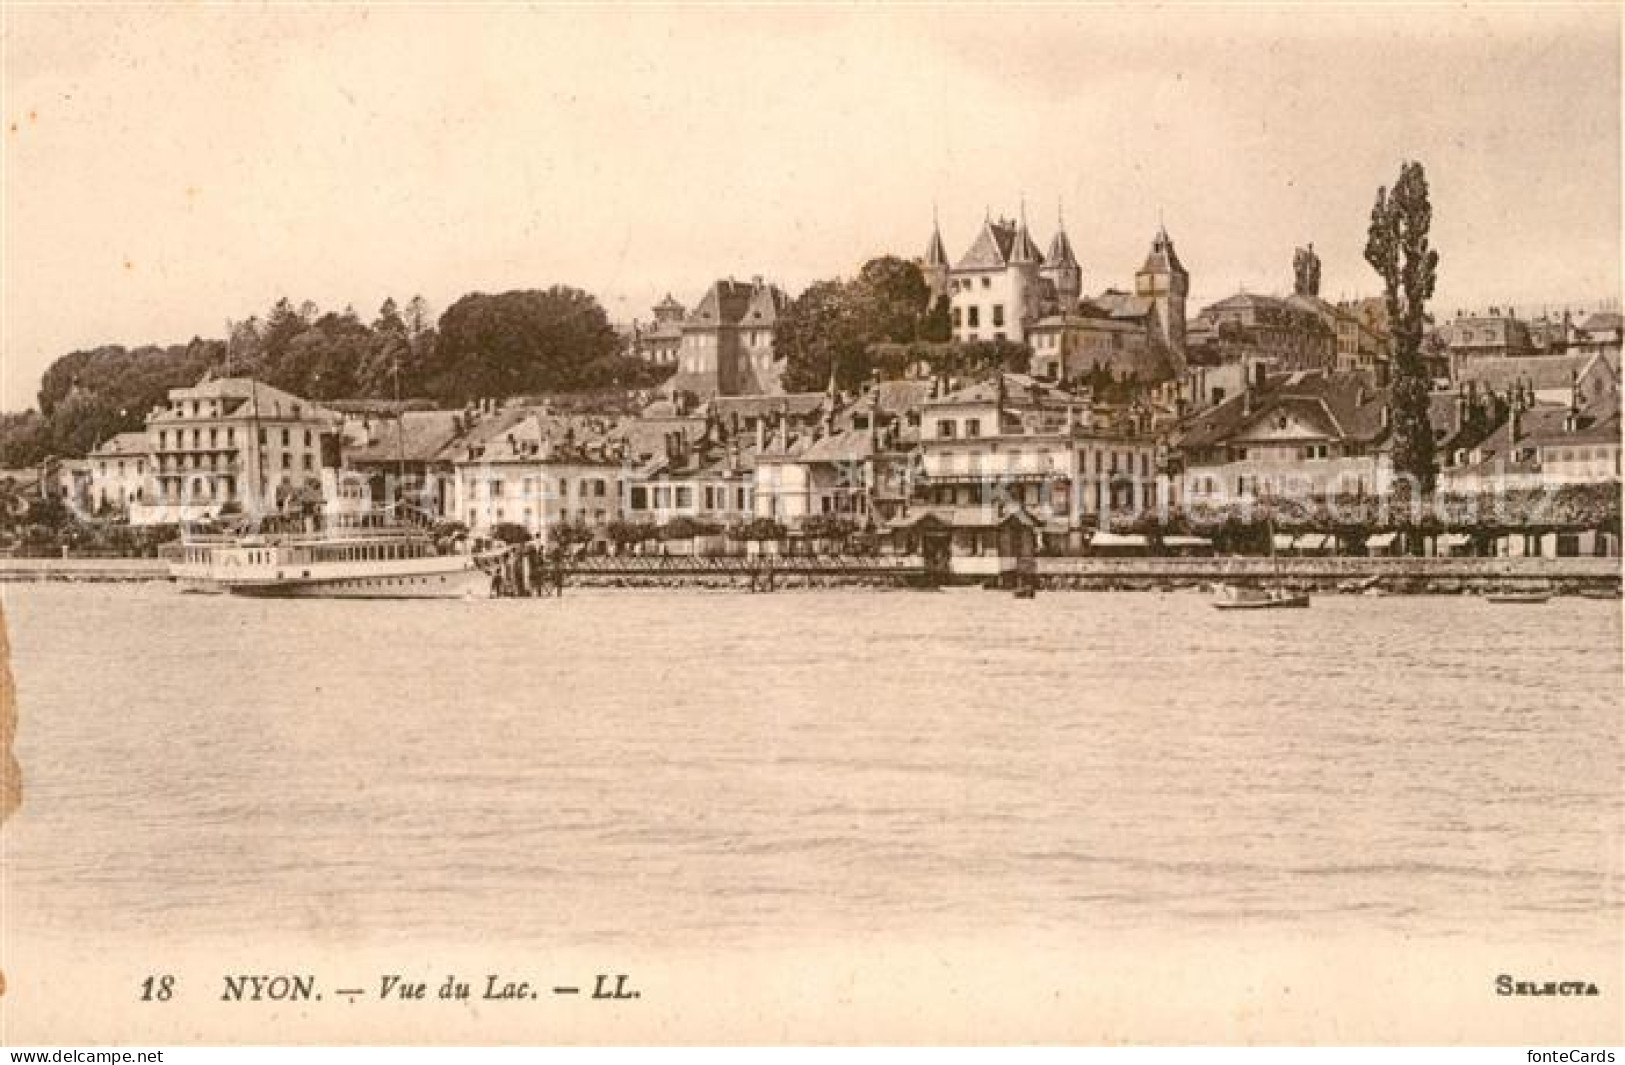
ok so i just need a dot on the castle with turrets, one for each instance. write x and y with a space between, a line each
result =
1004 288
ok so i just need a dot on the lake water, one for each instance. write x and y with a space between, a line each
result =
671 771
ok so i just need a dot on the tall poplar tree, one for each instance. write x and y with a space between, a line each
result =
1397 248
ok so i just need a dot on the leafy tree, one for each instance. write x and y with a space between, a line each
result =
25 439
835 324
684 527
570 533
417 316
510 533
518 342
1397 248
389 320
627 533
758 529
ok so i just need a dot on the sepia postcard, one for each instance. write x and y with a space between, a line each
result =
811 524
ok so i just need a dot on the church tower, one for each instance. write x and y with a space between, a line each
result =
1062 268
1165 283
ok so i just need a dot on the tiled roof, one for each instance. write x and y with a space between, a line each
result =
852 446
124 444
730 302
1162 258
1019 390
793 404
416 436
1540 372
1603 322
1119 304
991 249
1345 403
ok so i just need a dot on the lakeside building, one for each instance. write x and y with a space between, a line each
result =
405 456
1308 433
1012 464
660 342
1599 334
1498 334
233 444
1362 337
538 471
1292 332
1548 378
726 347
710 480
118 473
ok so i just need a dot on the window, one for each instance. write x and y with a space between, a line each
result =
495 486
987 282
640 497
287 437
973 427
262 436
231 437
307 437
998 314
973 316
685 495
287 461
945 429
599 488
957 318
304 461
564 487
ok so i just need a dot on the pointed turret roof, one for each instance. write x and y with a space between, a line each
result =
1060 250
1022 248
1162 259
935 253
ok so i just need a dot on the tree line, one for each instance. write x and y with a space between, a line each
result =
483 345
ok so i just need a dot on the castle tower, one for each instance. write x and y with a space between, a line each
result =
1062 268
1026 266
935 264
1165 283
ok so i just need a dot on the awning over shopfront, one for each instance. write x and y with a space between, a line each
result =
1454 540
1186 541
1110 539
1313 542
1381 539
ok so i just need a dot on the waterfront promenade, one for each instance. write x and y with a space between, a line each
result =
1445 575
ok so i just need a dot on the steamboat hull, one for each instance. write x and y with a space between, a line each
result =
469 583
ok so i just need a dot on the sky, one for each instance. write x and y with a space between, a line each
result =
167 168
